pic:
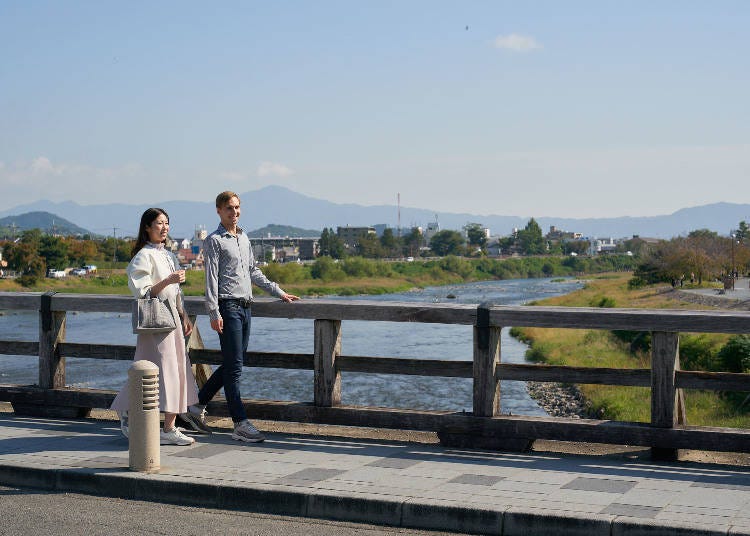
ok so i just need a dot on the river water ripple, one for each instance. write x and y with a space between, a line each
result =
382 339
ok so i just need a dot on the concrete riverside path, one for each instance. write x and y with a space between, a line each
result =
386 482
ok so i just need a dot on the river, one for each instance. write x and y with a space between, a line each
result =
382 339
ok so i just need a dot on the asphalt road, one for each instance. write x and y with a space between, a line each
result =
42 513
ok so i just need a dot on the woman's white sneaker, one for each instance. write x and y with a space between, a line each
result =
175 437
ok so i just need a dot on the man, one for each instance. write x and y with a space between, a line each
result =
230 272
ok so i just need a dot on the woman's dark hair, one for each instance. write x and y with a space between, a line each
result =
147 219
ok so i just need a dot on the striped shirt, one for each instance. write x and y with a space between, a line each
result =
231 269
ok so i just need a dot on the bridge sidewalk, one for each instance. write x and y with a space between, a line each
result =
386 482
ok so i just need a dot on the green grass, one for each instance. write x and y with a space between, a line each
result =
600 348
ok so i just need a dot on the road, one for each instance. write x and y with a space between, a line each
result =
42 513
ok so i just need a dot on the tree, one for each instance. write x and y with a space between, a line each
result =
447 243
331 245
413 241
531 239
54 251
369 246
390 243
476 235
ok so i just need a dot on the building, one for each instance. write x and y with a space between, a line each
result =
351 236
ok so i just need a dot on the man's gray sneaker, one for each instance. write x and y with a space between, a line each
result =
245 431
194 421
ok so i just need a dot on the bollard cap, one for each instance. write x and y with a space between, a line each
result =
143 367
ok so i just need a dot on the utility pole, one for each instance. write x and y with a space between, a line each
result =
732 236
114 252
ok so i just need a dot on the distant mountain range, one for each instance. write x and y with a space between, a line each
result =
47 222
281 206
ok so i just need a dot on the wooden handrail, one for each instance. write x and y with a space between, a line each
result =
485 423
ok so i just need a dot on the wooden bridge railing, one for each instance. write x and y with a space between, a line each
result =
484 427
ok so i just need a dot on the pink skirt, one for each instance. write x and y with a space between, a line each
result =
177 388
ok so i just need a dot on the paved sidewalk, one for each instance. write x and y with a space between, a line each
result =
386 482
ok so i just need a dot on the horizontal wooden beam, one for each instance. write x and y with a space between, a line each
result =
504 426
684 321
19 348
717 381
669 320
564 374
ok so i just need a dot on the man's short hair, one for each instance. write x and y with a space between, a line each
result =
224 197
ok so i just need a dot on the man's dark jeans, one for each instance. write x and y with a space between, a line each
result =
233 342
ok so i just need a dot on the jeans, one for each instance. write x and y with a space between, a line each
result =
233 340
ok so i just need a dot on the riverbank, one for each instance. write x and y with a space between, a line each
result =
609 349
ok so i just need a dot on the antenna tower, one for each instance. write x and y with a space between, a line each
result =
398 199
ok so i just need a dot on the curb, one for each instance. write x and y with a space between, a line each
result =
372 509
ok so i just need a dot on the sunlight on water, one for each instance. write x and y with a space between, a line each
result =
381 339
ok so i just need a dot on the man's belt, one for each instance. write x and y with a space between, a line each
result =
242 302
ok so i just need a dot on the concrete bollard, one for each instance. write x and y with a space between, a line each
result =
143 417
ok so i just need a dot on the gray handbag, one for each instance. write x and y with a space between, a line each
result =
151 315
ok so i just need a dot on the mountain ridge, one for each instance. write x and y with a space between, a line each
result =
279 205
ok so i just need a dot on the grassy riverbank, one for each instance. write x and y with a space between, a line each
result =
599 348
356 275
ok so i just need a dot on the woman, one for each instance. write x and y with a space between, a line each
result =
154 269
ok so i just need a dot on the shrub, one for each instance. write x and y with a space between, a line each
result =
734 356
326 269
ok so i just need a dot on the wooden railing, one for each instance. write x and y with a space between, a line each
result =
485 427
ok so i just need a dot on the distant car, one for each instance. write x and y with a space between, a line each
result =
55 274
90 269
409 259
78 271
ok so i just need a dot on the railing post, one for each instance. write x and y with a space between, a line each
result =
665 399
327 377
51 364
51 332
486 360
201 371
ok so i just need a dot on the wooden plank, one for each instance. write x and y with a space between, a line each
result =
327 377
93 303
201 371
559 429
667 320
51 333
580 375
486 387
20 301
405 366
664 358
19 348
97 351
665 348
718 381
367 310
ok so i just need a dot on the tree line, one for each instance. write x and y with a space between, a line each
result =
700 256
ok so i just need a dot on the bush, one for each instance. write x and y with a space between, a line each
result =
27 281
326 269
602 301
734 356
698 352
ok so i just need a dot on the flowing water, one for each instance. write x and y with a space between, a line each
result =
382 339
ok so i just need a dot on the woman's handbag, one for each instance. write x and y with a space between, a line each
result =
151 315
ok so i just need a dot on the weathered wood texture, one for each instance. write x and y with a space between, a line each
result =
665 360
201 372
559 429
666 380
486 395
19 348
500 315
51 333
327 378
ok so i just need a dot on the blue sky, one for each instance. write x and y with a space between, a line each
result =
569 109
